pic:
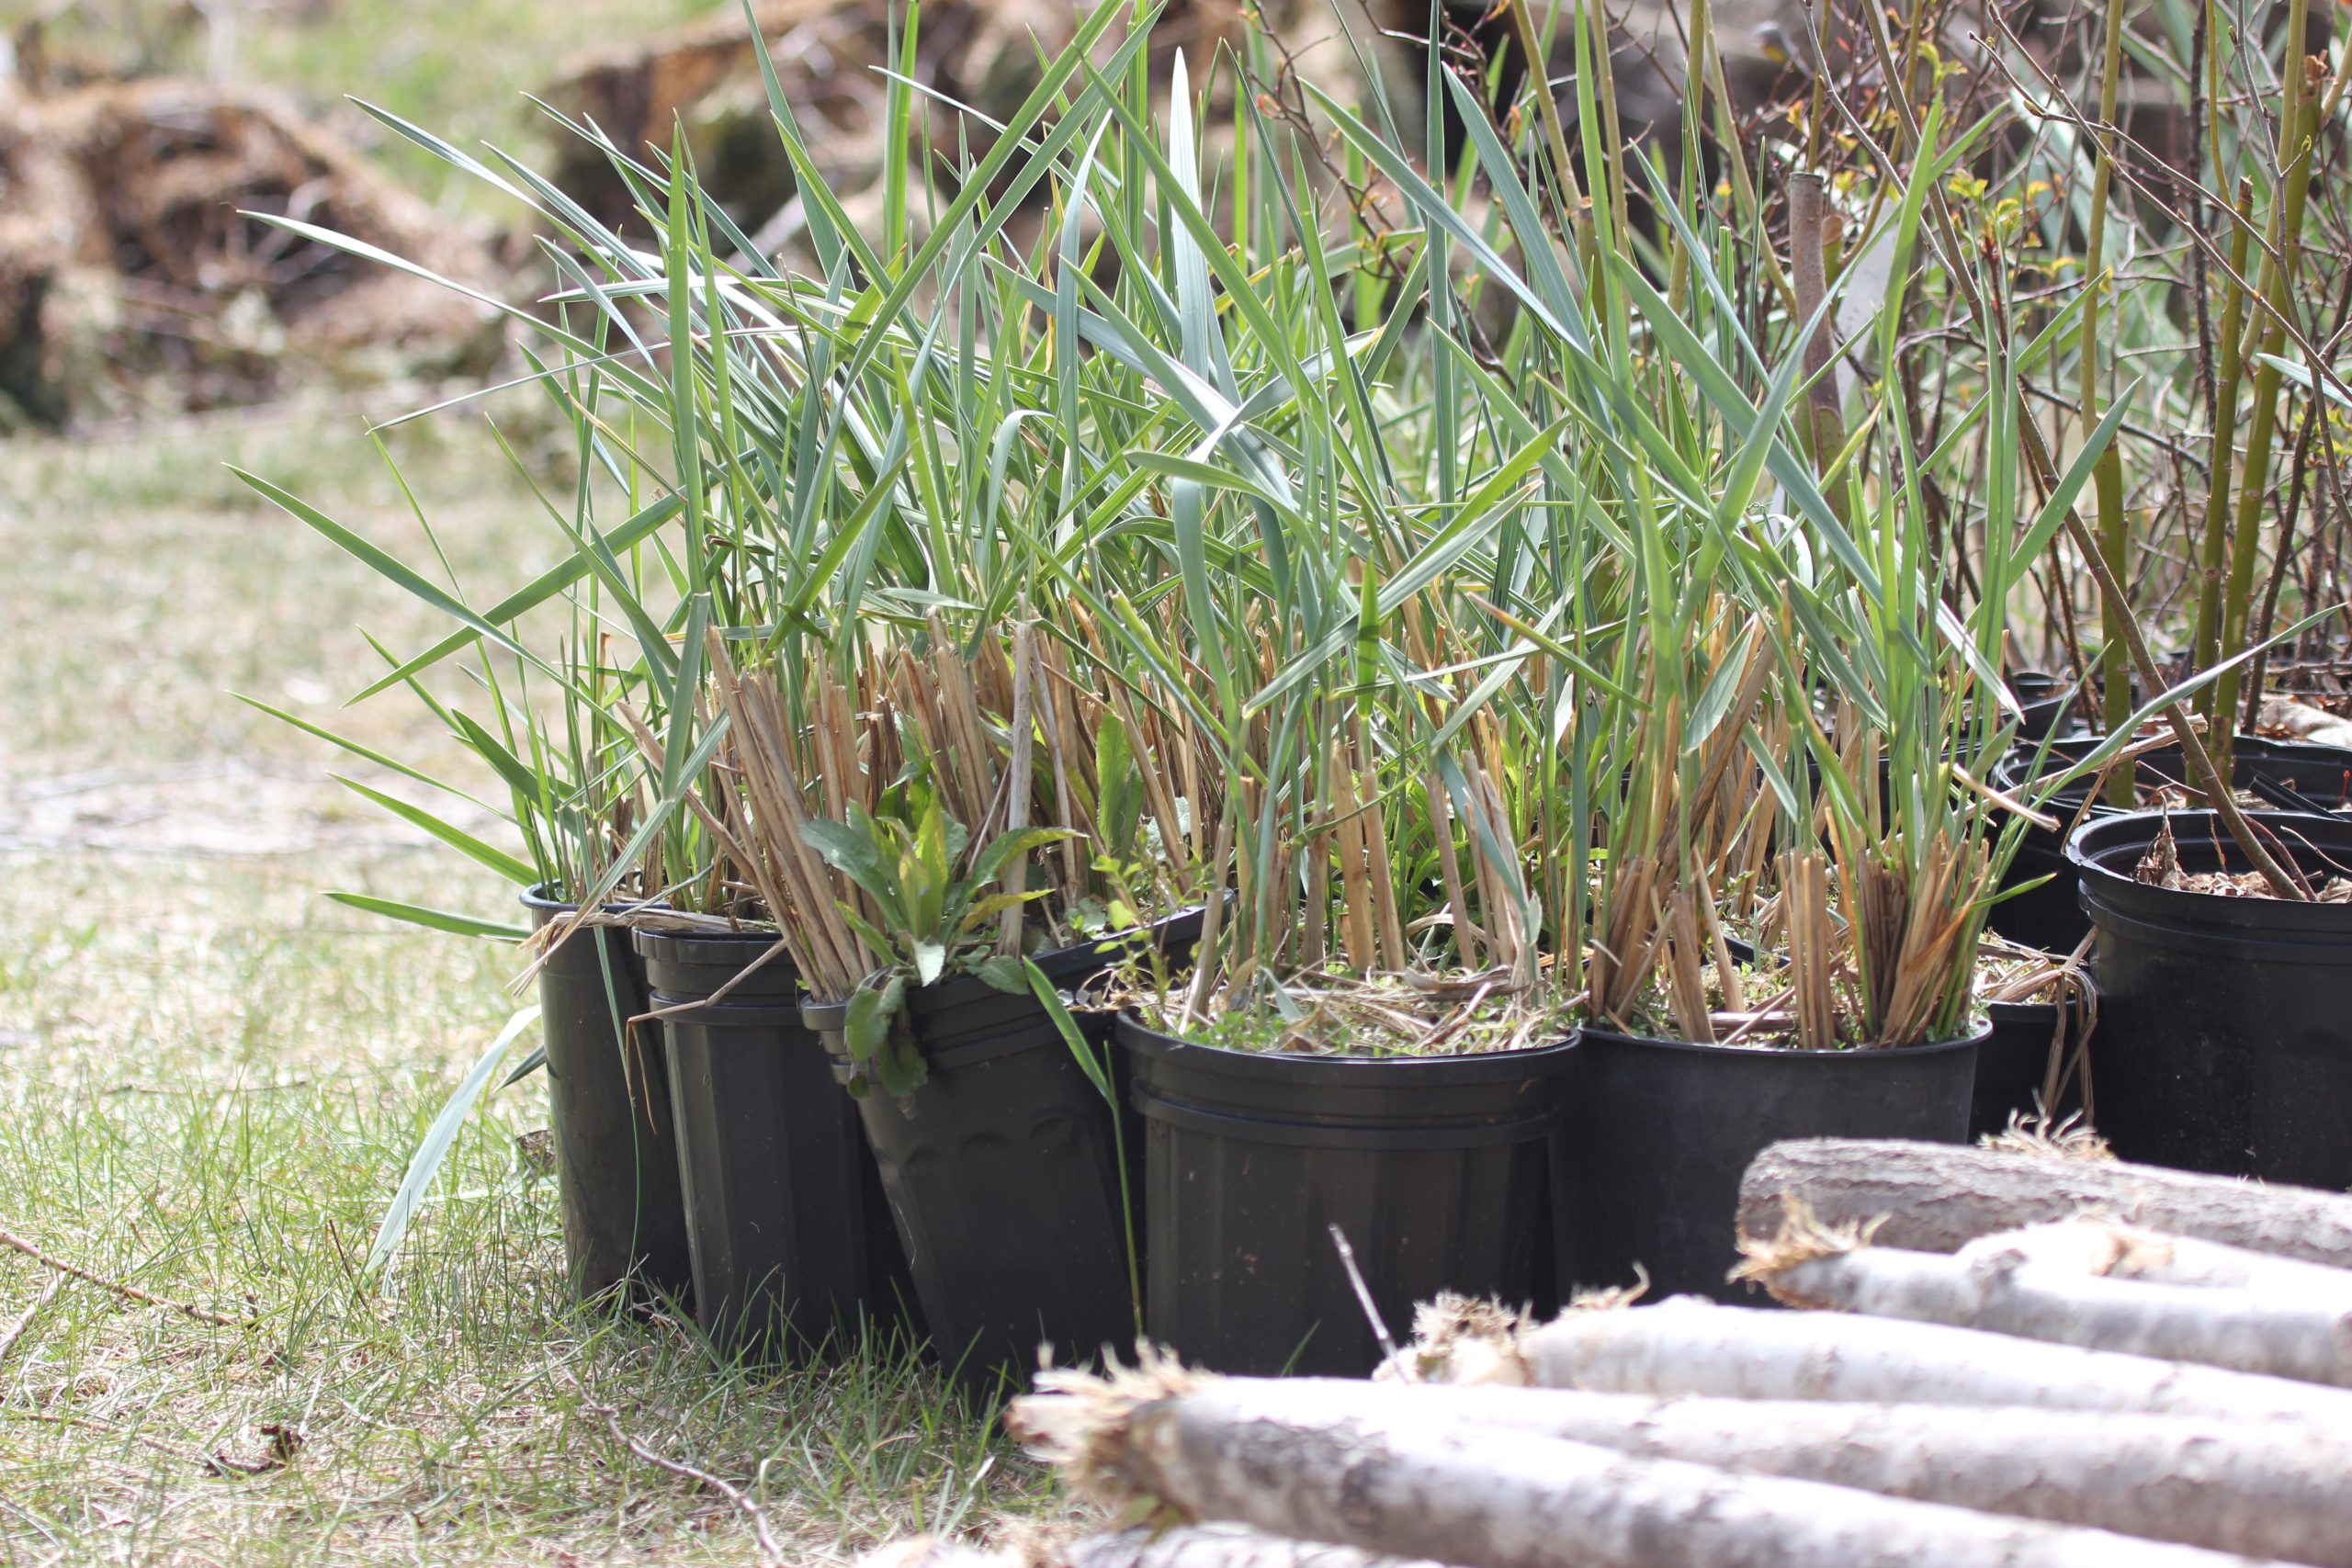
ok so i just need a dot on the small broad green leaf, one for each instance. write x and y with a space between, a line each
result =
864 1024
1005 971
876 943
854 855
990 863
1119 814
984 909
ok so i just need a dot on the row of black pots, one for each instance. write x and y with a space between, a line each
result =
1521 1176
989 1205
2223 1043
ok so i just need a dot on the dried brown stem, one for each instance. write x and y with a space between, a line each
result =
122 1287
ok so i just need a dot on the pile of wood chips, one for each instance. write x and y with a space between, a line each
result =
132 280
2019 1355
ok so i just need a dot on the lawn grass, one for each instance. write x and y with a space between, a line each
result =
211 1079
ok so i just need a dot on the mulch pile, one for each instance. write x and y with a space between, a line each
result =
132 281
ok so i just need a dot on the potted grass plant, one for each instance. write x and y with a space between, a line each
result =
1803 657
672 472
906 774
1350 1100
933 972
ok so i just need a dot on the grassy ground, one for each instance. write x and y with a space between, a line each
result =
211 1079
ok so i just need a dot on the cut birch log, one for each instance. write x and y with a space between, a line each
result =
2270 1490
2086 1245
1189 1546
1294 1458
2007 1293
925 1551
1687 1345
1219 1546
1936 1198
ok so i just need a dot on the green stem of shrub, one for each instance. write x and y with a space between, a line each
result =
2296 136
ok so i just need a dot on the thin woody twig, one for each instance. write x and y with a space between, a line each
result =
121 1288
92 1424
2036 453
1363 1293
770 1555
24 1320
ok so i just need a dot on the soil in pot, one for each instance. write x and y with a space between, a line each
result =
1433 1168
2225 1041
2048 917
1002 1174
791 1235
616 1142
1661 1131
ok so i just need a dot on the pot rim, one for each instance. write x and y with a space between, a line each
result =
1053 961
541 896
2011 771
746 936
2133 830
1767 1052
1136 1035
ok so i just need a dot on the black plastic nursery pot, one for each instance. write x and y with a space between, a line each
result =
2044 702
2225 1024
1433 1168
2048 917
2013 1064
616 1144
791 1236
1002 1173
1661 1131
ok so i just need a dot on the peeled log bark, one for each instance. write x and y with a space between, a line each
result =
1688 1345
2003 1292
2264 1490
925 1551
1219 1546
1936 1198
1294 1457
1193 1546
2089 1246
